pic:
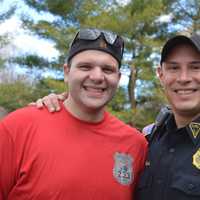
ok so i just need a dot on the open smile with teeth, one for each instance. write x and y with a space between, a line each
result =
185 91
94 89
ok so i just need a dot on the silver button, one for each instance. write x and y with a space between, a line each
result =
191 186
171 150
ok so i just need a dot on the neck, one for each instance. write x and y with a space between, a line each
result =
87 115
183 120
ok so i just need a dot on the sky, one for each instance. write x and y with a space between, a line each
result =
26 42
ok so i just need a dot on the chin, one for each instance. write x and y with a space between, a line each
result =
95 106
187 110
96 103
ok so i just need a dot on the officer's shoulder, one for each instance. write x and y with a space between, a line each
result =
148 129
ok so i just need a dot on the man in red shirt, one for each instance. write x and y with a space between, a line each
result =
81 152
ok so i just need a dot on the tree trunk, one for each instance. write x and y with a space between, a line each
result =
131 87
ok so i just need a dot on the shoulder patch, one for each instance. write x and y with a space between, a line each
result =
195 129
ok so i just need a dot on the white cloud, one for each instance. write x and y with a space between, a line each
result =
25 42
10 26
32 44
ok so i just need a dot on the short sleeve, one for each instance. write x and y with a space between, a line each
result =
7 160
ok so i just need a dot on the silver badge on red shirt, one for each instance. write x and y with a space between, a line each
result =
122 170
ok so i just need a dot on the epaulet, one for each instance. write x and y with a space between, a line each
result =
148 129
155 128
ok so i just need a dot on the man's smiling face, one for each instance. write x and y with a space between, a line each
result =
180 77
93 77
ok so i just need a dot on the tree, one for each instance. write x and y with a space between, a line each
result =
5 14
19 93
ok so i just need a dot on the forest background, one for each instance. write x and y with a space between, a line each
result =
144 24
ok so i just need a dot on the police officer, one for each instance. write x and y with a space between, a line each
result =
172 169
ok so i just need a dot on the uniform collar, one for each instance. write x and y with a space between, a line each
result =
171 124
192 129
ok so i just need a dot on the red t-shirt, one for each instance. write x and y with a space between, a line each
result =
58 157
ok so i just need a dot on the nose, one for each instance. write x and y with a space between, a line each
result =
184 76
97 74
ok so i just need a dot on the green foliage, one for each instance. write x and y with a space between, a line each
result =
2 64
119 106
31 61
19 93
15 95
120 100
49 85
56 7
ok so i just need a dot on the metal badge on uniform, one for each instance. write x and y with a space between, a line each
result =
195 129
196 159
122 170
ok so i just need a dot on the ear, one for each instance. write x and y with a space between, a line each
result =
66 70
119 76
159 74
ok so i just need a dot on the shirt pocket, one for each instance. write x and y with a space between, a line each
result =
187 184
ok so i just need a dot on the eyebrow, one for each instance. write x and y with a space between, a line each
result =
173 62
195 62
91 63
170 62
107 65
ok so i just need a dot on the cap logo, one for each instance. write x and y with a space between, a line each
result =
102 44
195 129
122 170
196 159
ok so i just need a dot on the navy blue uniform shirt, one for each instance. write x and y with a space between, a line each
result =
172 169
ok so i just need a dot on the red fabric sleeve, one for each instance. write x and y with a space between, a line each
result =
7 162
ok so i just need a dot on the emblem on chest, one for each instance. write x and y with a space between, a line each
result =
122 170
195 129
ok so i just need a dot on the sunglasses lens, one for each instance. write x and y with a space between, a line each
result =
89 34
93 34
110 37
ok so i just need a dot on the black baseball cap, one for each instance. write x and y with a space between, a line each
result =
97 39
177 40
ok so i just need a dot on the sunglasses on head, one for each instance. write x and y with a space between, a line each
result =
93 34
